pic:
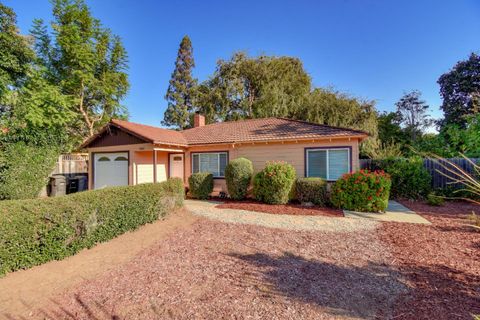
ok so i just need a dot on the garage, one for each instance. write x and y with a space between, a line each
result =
110 169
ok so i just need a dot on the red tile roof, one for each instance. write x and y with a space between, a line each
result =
266 129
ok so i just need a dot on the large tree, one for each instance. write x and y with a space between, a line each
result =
460 90
181 90
413 113
254 87
15 53
86 61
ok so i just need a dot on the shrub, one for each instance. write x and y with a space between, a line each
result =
311 190
35 231
362 191
24 170
238 175
410 179
274 183
200 185
435 200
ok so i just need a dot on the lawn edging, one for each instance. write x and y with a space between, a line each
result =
35 231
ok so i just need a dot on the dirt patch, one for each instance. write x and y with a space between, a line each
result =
24 290
441 262
292 209
217 270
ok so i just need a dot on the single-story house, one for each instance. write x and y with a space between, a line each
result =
127 153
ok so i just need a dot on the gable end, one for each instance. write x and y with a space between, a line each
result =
114 136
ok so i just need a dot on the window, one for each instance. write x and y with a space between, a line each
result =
121 159
104 159
213 162
329 164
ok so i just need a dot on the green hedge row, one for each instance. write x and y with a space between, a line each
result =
200 185
312 190
24 169
35 231
274 184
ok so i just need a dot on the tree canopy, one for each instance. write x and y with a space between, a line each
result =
460 91
413 114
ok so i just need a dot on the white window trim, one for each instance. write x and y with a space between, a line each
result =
328 160
218 160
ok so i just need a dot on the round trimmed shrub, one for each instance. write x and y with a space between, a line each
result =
200 185
238 175
362 191
274 183
312 190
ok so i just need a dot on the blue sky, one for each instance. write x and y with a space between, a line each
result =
370 49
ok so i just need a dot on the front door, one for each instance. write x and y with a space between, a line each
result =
176 165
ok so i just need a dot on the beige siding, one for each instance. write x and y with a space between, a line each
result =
143 166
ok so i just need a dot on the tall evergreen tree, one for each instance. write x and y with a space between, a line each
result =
181 92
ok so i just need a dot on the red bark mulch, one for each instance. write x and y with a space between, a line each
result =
441 262
293 209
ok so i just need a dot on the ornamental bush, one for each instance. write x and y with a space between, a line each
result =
24 169
410 179
35 231
238 175
311 190
200 185
274 183
362 191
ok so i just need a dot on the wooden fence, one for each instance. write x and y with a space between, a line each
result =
436 170
70 164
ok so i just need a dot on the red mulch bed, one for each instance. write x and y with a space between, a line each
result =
441 262
293 209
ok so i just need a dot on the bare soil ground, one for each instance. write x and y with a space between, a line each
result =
293 209
441 262
22 291
217 270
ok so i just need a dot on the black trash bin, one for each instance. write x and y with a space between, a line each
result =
82 183
58 185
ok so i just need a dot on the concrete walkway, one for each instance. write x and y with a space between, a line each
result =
395 212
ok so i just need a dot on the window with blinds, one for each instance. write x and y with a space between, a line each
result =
213 162
329 164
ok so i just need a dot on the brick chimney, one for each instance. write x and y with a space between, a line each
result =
198 120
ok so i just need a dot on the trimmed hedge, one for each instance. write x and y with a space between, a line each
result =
274 183
24 170
312 190
238 175
362 191
200 185
36 231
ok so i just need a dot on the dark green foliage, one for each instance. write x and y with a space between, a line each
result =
435 200
35 231
311 190
15 52
200 185
362 191
460 91
410 179
238 175
24 169
274 183
181 92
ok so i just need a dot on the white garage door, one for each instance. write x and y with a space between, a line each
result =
111 169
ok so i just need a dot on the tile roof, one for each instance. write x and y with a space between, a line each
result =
152 134
266 129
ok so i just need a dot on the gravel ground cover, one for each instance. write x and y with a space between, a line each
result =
293 209
211 210
441 262
217 270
